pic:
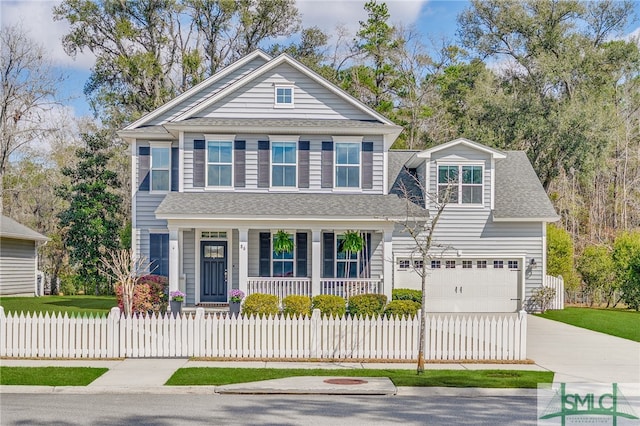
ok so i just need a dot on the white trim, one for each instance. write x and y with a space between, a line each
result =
493 184
198 259
460 184
215 137
286 85
385 172
273 187
159 145
202 85
342 140
206 164
283 58
347 139
134 196
284 138
544 251
462 141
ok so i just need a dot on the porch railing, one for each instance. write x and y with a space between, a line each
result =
281 287
347 287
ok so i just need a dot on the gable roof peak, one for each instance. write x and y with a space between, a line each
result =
495 154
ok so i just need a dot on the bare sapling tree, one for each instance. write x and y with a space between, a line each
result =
125 268
420 224
29 87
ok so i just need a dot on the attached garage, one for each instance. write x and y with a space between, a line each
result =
490 284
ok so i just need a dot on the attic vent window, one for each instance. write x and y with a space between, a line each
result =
283 96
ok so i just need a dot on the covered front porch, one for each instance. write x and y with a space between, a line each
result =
209 258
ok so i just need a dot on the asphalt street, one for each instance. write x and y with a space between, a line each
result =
285 410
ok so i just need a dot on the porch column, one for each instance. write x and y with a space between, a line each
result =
387 263
174 260
243 258
316 261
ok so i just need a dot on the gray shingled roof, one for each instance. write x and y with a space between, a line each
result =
9 228
294 205
519 193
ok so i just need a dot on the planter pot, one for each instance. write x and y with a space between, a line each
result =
234 308
176 308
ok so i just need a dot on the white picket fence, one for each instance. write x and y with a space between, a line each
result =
556 283
449 337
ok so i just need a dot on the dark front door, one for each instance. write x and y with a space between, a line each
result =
213 271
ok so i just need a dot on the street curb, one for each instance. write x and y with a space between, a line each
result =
213 390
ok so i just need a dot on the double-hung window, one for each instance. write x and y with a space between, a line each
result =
219 163
460 184
283 262
160 167
283 164
347 165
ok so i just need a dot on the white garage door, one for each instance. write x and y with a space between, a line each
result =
470 285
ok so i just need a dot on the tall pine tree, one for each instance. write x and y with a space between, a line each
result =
91 223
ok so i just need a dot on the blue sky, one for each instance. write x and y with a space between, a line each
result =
434 20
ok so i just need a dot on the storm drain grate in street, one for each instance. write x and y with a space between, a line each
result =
345 381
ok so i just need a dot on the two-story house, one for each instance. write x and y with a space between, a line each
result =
267 145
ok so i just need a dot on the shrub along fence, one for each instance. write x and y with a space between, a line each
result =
449 337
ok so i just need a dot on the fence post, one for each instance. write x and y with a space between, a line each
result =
315 326
522 316
113 333
3 333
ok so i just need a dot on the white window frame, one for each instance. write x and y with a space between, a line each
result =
292 260
481 264
436 264
404 264
294 164
159 145
450 264
459 185
510 265
219 139
283 86
336 165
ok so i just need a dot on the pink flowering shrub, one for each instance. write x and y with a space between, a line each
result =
149 295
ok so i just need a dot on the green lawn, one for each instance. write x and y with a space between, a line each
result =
74 305
450 378
616 322
49 376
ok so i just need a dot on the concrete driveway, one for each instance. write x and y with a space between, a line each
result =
581 355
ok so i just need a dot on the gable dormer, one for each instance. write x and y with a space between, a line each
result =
466 169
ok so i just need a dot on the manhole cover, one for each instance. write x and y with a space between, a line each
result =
345 381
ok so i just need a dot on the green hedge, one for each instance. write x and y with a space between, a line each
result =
329 305
407 294
295 305
260 304
367 305
401 308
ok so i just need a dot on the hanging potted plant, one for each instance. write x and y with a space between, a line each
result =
282 242
352 243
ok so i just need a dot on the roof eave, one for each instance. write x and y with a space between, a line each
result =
527 219
462 141
321 130
275 218
40 238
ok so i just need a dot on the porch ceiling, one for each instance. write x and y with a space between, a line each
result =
185 205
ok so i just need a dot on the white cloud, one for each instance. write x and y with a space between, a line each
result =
327 14
36 18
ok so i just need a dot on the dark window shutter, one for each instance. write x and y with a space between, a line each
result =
175 169
239 163
301 254
159 254
328 256
265 254
144 157
263 164
327 165
199 160
367 165
303 164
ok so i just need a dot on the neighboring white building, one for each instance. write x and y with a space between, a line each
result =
267 145
18 258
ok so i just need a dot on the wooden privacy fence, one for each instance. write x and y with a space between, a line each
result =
449 337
